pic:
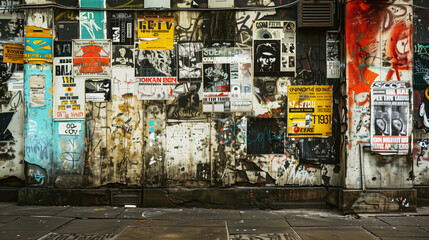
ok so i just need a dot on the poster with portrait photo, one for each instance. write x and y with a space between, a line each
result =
190 61
98 90
266 57
12 27
390 103
123 56
39 18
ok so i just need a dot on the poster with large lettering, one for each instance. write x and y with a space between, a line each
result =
227 80
38 45
390 103
92 58
156 32
274 47
156 72
121 28
69 94
309 111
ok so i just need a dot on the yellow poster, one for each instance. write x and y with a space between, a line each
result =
156 32
13 53
310 111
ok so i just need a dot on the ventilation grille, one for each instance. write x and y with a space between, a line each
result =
126 199
318 14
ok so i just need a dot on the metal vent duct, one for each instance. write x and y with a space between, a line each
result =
316 14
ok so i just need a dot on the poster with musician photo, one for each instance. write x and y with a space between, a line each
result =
274 47
123 56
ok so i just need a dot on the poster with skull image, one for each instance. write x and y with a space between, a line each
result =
274 46
390 103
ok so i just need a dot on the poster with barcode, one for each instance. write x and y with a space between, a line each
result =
227 80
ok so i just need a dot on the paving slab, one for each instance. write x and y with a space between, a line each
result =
179 223
265 236
91 212
331 233
21 235
341 221
166 233
15 210
94 226
77 236
261 214
296 221
27 223
6 219
151 213
404 238
397 231
256 226
200 213
407 221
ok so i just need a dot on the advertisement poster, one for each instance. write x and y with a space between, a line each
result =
13 53
390 103
156 72
227 79
69 95
332 55
97 90
309 111
274 47
91 58
121 28
190 61
156 32
37 45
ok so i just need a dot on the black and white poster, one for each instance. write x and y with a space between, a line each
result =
122 27
12 27
123 56
332 55
39 18
187 102
63 49
274 47
390 103
98 90
156 72
190 61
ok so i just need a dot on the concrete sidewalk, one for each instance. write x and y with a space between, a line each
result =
56 222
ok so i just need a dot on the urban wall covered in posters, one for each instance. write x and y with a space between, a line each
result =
390 103
92 58
227 80
156 32
274 47
309 111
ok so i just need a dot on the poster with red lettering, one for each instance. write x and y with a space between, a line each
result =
156 73
390 103
92 58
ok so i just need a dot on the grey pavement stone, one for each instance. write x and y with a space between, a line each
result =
92 226
21 235
258 226
166 233
5 219
27 223
200 213
261 214
407 221
91 212
331 233
182 222
296 221
265 236
151 213
397 231
78 236
15 210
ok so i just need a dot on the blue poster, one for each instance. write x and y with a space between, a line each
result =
38 49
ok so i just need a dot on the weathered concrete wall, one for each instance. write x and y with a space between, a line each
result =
378 48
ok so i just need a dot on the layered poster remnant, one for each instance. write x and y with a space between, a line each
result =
156 72
91 58
310 111
227 79
274 47
156 32
38 45
332 55
12 27
68 92
390 103
190 61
